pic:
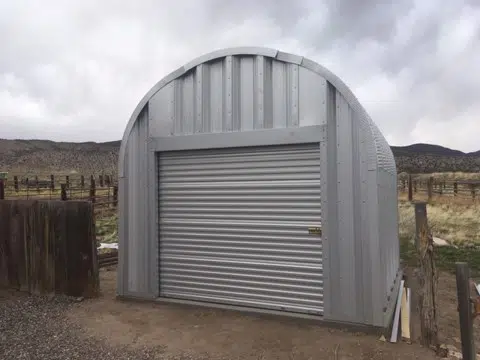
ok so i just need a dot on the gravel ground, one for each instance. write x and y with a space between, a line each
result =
33 327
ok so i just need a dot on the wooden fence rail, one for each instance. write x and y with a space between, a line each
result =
48 247
104 196
50 181
108 259
431 187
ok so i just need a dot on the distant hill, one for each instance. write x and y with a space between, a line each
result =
44 156
476 153
428 158
425 149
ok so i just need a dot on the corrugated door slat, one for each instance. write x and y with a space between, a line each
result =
234 227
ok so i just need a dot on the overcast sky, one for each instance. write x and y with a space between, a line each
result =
74 70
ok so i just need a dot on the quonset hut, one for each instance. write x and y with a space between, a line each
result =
253 179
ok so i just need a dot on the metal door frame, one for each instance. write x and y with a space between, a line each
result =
284 136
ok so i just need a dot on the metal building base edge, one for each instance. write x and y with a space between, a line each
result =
271 314
390 308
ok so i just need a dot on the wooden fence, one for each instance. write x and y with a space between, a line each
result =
462 189
48 247
51 181
102 191
108 259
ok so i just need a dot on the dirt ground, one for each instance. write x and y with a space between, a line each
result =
201 333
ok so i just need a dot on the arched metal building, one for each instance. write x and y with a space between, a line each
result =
254 179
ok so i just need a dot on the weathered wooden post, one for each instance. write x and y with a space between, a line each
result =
82 181
36 184
2 189
92 189
107 180
100 180
52 182
15 183
465 311
28 186
430 188
427 279
115 195
410 188
67 181
63 192
455 188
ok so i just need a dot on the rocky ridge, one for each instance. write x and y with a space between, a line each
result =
43 156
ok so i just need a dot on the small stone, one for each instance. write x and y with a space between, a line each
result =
442 351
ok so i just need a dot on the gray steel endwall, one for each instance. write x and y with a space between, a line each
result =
361 251
351 233
135 261
245 89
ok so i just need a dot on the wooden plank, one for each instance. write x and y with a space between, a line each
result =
33 250
59 230
394 336
20 248
4 238
12 253
405 315
465 312
48 247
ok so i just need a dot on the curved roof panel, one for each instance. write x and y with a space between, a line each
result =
385 158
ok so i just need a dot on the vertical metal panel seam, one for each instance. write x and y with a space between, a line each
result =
346 236
153 225
143 159
151 216
357 218
171 107
178 86
332 308
229 94
206 84
364 215
294 95
236 86
122 273
259 92
268 94
199 93
132 283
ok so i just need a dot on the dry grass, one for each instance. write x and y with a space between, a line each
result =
446 176
455 221
107 229
75 193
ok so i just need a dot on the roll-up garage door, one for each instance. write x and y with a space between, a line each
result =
241 227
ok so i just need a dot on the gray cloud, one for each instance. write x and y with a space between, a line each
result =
74 70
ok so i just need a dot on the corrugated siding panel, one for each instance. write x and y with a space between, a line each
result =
388 227
136 213
239 93
385 158
346 210
234 227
